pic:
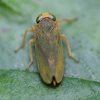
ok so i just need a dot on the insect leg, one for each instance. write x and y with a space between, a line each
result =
23 41
31 57
68 20
63 36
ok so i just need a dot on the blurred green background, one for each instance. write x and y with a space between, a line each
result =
81 80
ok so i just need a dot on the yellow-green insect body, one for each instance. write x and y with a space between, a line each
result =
49 51
48 46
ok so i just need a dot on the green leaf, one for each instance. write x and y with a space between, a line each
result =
81 80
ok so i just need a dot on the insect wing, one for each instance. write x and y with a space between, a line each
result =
49 53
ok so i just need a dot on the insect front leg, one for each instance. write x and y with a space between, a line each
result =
31 57
68 20
23 41
69 50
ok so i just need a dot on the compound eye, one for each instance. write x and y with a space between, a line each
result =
39 18
52 16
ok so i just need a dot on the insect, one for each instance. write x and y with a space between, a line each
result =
48 46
